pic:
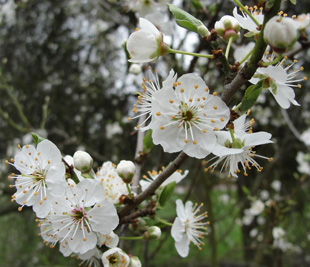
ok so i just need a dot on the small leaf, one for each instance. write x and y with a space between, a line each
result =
293 2
148 142
269 4
251 95
245 190
188 21
196 4
166 194
37 138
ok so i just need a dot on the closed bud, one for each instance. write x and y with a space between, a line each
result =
227 27
135 69
134 262
126 169
152 233
280 33
82 161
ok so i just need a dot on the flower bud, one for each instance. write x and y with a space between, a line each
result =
280 33
152 233
135 69
227 27
126 169
82 161
135 262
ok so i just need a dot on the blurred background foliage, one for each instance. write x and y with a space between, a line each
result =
64 75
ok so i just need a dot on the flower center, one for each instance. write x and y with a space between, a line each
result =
113 259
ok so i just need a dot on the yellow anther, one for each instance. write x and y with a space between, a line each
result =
204 130
213 121
215 93
162 127
171 101
207 89
215 129
179 83
190 100
196 86
158 113
185 140
215 107
194 142
222 119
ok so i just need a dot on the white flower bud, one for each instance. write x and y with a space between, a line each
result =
126 169
135 69
152 233
227 27
135 262
280 33
82 161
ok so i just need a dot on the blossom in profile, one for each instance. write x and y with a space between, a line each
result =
41 178
146 44
188 227
79 218
303 21
235 147
186 117
280 82
246 21
115 257
143 106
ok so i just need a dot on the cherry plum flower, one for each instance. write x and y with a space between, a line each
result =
188 227
41 178
187 117
279 81
146 44
115 257
235 147
79 218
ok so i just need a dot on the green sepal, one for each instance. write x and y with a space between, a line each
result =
37 138
251 95
148 142
189 22
251 34
166 194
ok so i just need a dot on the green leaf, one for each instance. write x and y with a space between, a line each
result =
269 4
166 194
148 142
293 2
245 190
196 4
251 95
37 138
188 21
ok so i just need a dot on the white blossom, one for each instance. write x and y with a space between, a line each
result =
115 257
257 207
188 227
145 44
227 27
82 215
113 186
187 117
235 147
42 176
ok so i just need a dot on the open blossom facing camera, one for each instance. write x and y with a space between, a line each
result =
42 176
113 185
187 117
279 82
188 227
146 44
82 216
235 147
